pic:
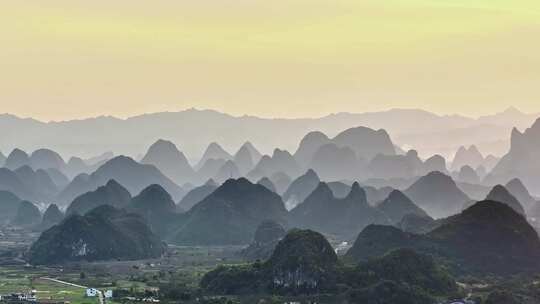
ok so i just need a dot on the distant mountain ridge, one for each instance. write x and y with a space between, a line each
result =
407 126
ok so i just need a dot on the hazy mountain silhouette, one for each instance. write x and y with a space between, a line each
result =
468 175
51 217
345 217
2 159
246 158
59 179
27 215
364 142
9 181
300 189
395 166
38 182
437 194
500 194
209 170
280 161
156 206
227 171
435 163
520 192
213 151
341 190
230 215
130 174
467 157
9 203
267 183
17 158
105 233
521 161
46 159
281 181
309 145
196 195
408 126
165 156
112 194
397 205
334 163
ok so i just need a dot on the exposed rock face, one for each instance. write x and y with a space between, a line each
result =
165 156
302 260
397 205
437 194
500 194
230 215
112 194
300 189
105 233
27 215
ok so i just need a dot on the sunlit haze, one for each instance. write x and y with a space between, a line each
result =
298 58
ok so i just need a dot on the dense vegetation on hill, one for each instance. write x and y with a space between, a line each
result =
104 233
305 263
230 215
112 194
267 235
489 237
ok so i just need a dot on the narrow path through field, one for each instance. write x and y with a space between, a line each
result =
100 294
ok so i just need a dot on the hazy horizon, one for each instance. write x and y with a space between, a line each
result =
124 117
70 60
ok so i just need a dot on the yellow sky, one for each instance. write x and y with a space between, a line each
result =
63 59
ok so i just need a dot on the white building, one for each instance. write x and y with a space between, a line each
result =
92 292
